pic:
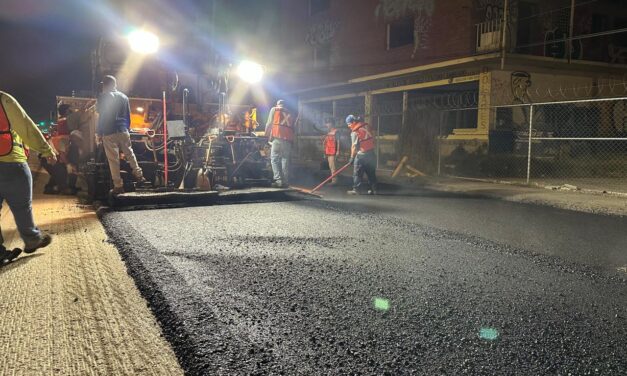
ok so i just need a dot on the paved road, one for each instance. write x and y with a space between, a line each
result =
421 284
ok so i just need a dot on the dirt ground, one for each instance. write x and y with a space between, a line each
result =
71 308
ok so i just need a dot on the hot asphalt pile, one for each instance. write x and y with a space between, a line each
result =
311 287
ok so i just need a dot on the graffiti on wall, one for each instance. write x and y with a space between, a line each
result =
491 10
521 82
420 10
391 10
422 24
556 47
321 33
617 54
556 25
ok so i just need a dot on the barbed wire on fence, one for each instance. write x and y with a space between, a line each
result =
604 88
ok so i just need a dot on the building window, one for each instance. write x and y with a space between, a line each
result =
318 6
461 119
400 33
322 56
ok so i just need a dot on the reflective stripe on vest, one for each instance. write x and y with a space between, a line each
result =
281 127
6 137
330 144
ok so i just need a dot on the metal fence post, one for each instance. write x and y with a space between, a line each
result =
439 140
378 138
529 146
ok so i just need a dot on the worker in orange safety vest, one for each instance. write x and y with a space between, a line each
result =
280 131
362 155
331 146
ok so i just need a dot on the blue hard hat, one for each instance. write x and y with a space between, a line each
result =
350 119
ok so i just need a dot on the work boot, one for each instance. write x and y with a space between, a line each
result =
44 241
140 179
50 190
8 256
116 191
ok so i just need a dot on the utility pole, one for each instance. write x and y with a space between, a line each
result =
504 41
569 47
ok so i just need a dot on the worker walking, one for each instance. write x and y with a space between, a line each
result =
280 130
362 155
331 145
114 122
17 131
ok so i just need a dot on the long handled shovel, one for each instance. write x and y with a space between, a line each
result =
336 173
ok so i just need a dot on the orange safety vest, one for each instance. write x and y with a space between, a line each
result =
6 137
330 143
61 145
281 126
366 140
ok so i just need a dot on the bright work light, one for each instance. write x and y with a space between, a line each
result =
250 71
143 42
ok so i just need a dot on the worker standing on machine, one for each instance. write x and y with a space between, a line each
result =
331 144
362 155
280 130
114 122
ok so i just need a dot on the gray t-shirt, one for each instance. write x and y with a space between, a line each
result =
355 142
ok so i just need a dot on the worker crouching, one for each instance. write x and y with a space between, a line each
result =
362 155
279 129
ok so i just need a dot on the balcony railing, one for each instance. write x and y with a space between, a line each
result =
489 35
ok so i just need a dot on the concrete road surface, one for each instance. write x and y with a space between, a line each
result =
417 284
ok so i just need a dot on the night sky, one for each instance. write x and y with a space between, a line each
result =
46 44
46 48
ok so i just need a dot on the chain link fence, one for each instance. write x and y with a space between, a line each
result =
574 144
564 144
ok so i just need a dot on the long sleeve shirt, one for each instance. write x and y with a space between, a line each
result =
23 130
114 113
268 130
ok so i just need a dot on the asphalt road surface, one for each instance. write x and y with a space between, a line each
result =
420 284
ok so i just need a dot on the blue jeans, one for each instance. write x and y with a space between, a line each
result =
16 187
365 163
280 158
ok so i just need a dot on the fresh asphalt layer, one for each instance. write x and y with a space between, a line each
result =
416 284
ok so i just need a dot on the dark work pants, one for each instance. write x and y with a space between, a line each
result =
58 175
16 188
365 163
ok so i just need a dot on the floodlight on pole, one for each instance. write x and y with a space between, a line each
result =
250 71
143 42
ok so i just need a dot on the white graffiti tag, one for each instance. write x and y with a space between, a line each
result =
422 24
391 10
321 33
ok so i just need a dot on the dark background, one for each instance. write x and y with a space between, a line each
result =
45 51
47 44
